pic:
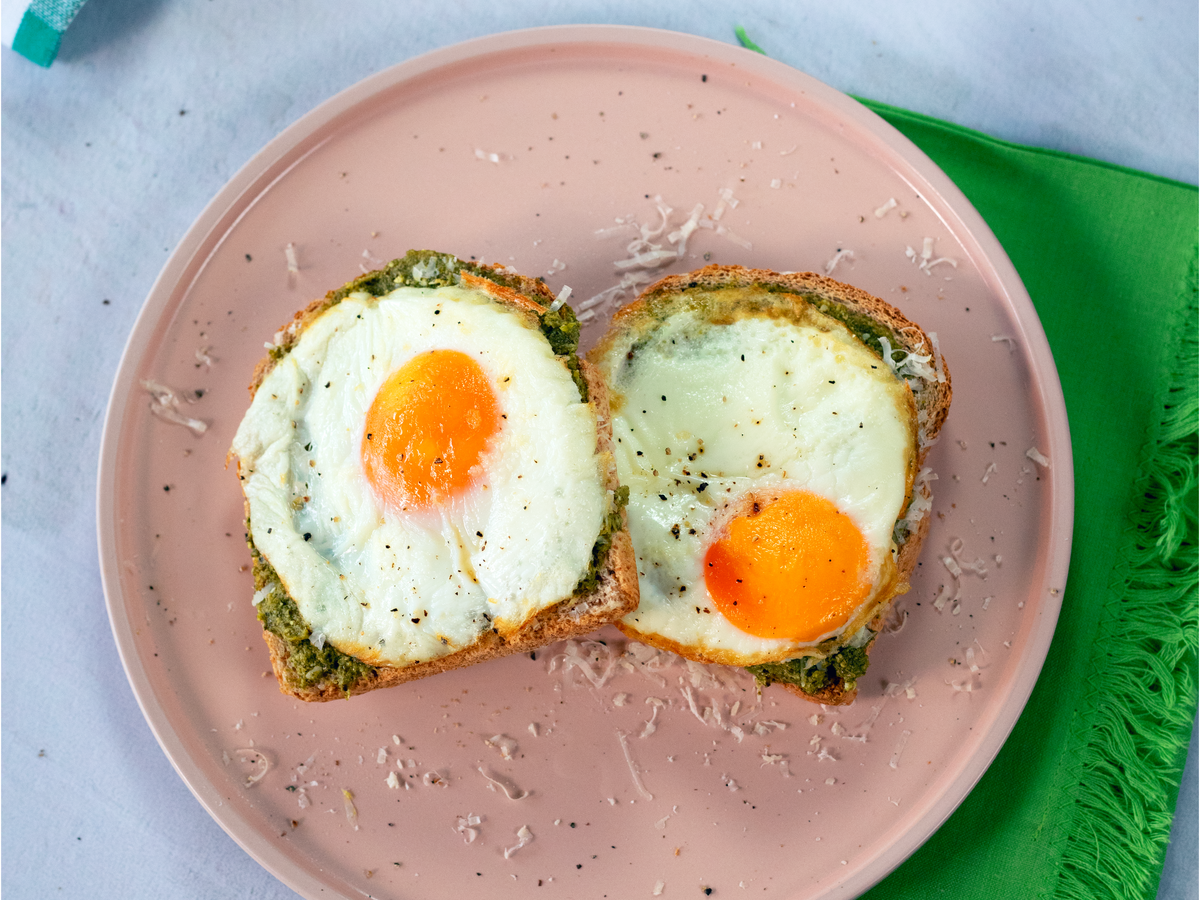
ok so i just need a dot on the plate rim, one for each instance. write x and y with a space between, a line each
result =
995 266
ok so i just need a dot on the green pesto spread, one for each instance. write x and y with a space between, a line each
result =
617 501
813 675
308 665
561 329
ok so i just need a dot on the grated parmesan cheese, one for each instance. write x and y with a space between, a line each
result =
511 791
468 826
563 296
734 238
837 257
680 237
633 770
372 262
1038 457
164 404
650 726
351 810
1012 343
647 259
978 567
524 836
883 210
894 762
506 745
254 758
925 260
945 595
913 367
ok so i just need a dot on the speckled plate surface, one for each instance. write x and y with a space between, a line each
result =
546 150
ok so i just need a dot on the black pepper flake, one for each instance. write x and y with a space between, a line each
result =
662 496
166 487
702 487
308 535
704 78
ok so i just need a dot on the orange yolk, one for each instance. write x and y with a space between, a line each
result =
427 429
794 568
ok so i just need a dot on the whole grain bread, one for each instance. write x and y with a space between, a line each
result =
616 586
864 314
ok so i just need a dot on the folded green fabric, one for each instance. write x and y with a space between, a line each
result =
1079 802
41 29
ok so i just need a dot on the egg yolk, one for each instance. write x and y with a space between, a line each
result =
793 568
427 428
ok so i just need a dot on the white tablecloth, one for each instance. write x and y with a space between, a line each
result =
110 154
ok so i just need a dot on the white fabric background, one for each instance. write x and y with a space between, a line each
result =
102 175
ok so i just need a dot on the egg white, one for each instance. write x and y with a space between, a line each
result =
398 587
706 414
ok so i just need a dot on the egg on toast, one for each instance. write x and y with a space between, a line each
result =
428 480
772 431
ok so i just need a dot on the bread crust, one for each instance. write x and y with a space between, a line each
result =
932 399
616 593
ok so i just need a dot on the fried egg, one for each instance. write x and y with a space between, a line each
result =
419 468
768 453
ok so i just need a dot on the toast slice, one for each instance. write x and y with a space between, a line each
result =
827 671
312 669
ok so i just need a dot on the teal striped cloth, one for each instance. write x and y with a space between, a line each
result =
42 27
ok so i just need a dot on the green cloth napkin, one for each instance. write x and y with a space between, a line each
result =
1079 802
41 29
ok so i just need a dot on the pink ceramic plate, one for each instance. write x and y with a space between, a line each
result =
546 150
